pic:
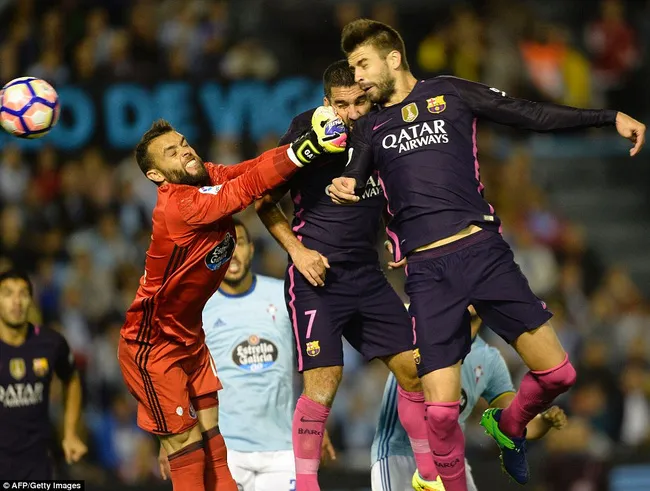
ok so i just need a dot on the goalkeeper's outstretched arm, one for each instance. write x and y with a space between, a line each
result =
199 207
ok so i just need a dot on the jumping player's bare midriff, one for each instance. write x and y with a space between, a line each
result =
466 232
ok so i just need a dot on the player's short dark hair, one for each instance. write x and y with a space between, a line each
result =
338 74
142 157
16 274
239 223
381 36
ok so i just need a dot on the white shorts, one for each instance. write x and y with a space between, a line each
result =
263 471
395 473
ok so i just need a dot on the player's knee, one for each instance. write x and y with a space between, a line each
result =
321 384
405 371
322 395
409 381
411 384
442 385
442 420
560 379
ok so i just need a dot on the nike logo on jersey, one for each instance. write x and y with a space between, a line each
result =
377 126
303 420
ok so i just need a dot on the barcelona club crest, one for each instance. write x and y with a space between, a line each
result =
436 104
416 356
17 368
40 367
410 112
313 348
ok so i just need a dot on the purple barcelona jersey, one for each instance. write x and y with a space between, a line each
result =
340 233
425 153
26 373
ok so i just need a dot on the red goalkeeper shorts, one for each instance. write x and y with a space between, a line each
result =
171 382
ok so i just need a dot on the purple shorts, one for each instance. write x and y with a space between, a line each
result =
357 303
478 270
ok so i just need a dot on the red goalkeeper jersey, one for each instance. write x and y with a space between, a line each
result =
192 242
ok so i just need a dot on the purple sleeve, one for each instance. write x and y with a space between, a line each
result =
360 162
494 105
298 126
64 364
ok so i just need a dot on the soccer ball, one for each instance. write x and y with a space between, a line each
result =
29 107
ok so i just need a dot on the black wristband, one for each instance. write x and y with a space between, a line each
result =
306 147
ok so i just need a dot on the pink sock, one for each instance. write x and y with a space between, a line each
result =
308 428
411 411
536 392
447 441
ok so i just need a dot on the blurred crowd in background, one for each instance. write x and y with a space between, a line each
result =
571 52
80 223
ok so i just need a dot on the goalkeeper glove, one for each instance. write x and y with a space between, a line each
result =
327 134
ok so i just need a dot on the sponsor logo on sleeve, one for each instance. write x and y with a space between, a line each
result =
209 189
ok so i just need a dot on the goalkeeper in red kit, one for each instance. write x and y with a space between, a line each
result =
164 360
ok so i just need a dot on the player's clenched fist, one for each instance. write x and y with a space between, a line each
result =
631 129
327 134
73 449
555 417
342 190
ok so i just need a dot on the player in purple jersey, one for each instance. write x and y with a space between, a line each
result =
421 139
335 288
30 357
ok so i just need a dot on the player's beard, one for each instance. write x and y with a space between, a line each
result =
13 323
201 178
234 280
384 88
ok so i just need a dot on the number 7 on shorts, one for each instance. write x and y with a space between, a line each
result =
312 315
